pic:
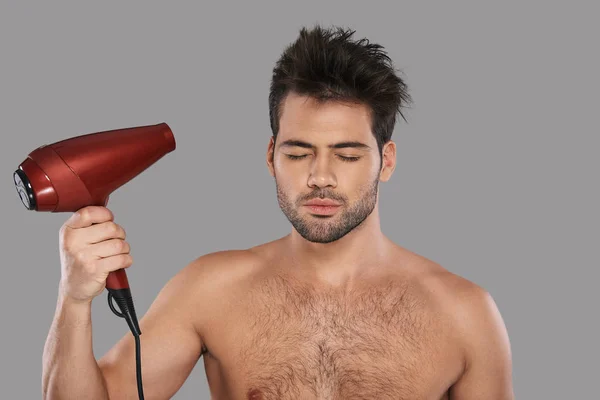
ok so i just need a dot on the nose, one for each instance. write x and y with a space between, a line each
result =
321 174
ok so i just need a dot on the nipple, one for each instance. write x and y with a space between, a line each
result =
255 394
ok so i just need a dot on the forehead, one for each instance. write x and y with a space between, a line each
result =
304 118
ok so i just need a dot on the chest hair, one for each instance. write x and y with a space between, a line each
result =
376 341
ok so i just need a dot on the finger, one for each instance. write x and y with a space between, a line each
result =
109 248
113 263
103 231
89 215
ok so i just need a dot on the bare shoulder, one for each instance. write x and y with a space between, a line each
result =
216 275
472 307
462 296
222 267
479 330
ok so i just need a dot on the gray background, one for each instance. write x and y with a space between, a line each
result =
496 177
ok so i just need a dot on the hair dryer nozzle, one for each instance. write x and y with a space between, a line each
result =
24 189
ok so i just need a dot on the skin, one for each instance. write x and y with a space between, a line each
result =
335 309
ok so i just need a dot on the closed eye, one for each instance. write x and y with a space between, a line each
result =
349 159
343 158
291 157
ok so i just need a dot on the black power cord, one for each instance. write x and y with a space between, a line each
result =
125 303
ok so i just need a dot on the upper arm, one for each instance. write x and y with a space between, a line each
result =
170 344
488 367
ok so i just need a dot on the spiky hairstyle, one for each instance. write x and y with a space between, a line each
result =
327 65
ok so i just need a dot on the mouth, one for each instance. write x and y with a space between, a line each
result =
322 210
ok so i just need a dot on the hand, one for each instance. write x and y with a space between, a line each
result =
91 246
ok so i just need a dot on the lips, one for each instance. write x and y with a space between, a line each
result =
322 203
322 206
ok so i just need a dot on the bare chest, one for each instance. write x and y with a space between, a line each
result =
291 342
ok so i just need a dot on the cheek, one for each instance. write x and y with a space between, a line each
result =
288 175
363 177
286 183
361 184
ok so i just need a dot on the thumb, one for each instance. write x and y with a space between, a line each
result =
87 216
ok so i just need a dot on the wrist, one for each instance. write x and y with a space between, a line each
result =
65 298
73 312
68 301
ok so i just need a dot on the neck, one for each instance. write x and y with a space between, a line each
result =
342 262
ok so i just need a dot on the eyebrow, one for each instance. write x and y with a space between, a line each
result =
340 145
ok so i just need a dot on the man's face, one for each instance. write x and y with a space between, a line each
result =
348 175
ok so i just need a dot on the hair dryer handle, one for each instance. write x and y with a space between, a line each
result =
118 289
117 280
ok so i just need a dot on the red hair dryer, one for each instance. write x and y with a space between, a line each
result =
83 171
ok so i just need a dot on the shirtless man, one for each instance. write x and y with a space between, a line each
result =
334 310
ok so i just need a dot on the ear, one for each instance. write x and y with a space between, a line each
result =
389 161
270 153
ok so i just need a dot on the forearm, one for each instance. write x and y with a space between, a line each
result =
70 370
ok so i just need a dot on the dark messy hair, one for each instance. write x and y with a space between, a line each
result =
327 66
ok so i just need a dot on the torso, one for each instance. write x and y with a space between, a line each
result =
272 336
